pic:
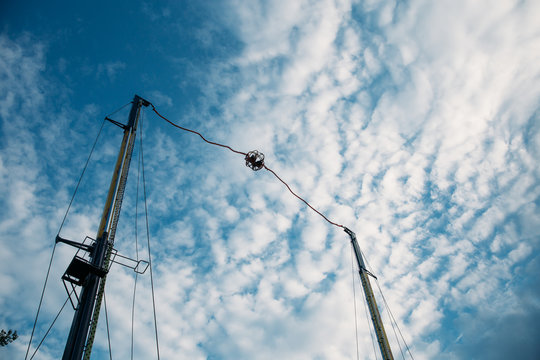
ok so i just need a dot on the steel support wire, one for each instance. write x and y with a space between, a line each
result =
62 225
391 315
51 326
148 241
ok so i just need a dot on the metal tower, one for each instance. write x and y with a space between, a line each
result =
386 352
91 275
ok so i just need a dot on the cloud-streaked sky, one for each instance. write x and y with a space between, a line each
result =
415 124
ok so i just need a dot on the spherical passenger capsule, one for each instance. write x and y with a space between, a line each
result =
254 160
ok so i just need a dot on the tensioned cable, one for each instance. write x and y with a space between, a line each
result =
389 311
86 165
354 299
262 165
81 177
390 316
148 243
62 225
366 312
51 326
40 302
136 243
133 315
245 154
107 323
394 320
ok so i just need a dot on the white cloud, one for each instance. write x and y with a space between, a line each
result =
409 123
110 69
266 27
160 99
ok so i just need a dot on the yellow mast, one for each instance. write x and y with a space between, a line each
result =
81 335
382 339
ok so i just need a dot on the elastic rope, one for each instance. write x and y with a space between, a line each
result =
148 244
305 202
243 153
195 132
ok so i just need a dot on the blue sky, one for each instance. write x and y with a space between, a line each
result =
416 124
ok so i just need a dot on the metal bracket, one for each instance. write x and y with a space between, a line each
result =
139 266
350 233
76 275
78 268
368 272
144 102
124 127
81 246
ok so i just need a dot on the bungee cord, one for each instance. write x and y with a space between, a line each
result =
308 204
194 132
254 160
